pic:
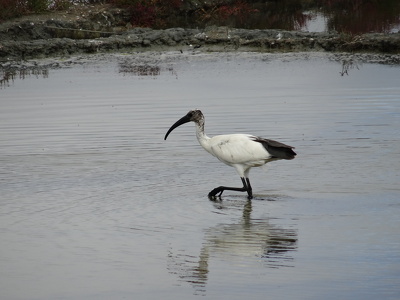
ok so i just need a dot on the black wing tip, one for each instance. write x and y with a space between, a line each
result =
290 154
277 149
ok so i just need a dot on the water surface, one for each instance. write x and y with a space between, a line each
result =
96 205
347 17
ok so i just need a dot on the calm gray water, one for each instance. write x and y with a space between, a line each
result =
96 205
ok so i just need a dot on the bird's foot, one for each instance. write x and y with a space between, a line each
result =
217 192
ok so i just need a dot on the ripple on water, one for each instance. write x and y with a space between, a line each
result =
93 199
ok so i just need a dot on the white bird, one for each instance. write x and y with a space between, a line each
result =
241 151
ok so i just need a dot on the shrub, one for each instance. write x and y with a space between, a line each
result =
12 9
38 5
60 4
148 13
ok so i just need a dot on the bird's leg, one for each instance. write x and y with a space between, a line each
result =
249 189
219 190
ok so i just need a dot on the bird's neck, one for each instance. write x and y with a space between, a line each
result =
200 134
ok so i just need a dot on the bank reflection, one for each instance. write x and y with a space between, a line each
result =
127 68
139 70
348 64
9 74
245 241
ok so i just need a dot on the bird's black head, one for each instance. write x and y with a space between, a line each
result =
195 115
192 116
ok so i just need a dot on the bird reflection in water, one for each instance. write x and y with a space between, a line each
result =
251 239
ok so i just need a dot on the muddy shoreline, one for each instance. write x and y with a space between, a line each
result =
102 32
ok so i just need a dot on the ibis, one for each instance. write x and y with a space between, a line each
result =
241 151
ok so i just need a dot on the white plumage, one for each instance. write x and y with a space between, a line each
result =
237 150
241 151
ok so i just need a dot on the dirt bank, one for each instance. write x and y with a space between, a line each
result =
99 29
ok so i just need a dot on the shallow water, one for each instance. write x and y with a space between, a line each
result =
96 205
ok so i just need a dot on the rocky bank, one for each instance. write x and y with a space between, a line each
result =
103 29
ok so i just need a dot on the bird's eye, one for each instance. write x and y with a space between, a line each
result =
190 114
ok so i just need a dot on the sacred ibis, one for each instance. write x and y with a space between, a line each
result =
241 151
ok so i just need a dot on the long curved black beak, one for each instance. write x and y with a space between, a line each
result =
181 121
